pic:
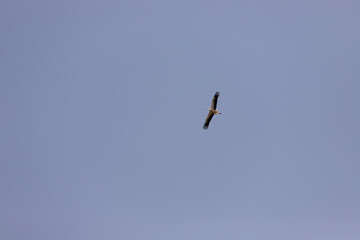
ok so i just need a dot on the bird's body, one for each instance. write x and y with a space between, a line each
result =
212 111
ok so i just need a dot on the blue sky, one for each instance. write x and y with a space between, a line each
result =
103 102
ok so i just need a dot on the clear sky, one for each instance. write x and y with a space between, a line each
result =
102 106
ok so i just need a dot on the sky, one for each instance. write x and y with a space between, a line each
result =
103 102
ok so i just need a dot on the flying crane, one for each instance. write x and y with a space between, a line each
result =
212 111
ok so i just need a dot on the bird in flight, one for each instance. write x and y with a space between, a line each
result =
212 111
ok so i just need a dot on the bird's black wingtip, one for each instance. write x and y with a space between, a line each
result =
217 93
205 126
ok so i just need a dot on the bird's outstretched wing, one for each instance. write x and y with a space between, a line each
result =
214 101
208 119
